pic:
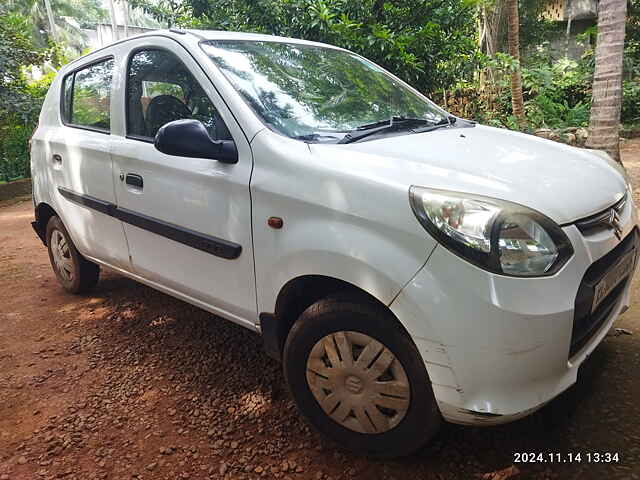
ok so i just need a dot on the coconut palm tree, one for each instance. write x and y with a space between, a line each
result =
59 20
513 42
606 102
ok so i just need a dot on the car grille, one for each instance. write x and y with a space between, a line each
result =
602 220
585 322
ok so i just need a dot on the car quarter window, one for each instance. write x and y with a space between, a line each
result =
160 89
86 95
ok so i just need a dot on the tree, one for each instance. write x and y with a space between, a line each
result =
17 51
19 104
513 41
60 21
606 103
489 15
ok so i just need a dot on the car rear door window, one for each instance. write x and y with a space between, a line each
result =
161 89
87 95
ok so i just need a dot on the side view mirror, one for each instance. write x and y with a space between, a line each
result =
189 138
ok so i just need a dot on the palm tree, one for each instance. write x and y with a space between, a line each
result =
513 41
606 102
52 24
60 20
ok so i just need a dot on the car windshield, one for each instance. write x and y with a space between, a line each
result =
317 93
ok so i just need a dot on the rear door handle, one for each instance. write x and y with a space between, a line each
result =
134 180
57 159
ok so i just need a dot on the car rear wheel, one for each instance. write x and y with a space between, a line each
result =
75 273
358 378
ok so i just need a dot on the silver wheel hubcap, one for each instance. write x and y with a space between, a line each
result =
61 255
358 382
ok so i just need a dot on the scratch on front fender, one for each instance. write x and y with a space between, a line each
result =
526 350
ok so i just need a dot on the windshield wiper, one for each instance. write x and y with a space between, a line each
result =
392 121
314 137
445 122
396 123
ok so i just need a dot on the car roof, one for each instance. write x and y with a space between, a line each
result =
196 36
256 37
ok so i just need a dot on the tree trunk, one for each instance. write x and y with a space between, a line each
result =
52 24
489 23
114 23
490 15
606 102
513 40
125 16
567 35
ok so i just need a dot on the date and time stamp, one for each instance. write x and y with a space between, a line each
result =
566 457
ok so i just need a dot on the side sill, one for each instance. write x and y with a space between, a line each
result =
223 314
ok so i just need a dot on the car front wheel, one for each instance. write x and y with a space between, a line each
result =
358 378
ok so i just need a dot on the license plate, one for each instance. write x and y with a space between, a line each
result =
612 278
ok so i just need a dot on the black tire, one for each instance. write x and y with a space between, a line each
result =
83 274
354 313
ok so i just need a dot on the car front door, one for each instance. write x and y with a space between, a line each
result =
187 220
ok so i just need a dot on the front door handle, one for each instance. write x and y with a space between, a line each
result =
57 159
134 180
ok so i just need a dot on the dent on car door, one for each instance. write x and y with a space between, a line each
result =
187 220
81 164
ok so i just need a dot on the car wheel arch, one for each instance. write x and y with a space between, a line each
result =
295 296
43 212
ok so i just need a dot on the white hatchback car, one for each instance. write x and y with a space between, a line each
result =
406 265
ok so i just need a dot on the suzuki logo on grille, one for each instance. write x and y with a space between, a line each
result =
613 221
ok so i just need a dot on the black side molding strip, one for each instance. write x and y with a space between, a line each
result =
216 246
89 201
200 241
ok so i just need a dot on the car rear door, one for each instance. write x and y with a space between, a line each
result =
187 220
78 154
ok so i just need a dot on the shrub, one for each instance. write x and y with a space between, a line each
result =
631 102
14 156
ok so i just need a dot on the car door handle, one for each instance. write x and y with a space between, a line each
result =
134 180
57 159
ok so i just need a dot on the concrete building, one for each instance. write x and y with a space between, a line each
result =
578 16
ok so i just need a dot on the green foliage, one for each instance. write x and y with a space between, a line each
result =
14 162
70 16
19 101
432 44
533 27
558 94
17 51
632 33
170 12
631 102
543 111
429 43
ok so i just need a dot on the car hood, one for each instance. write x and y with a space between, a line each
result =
565 183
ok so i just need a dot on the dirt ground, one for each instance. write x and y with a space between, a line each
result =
129 383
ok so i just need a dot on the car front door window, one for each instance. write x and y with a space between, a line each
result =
160 89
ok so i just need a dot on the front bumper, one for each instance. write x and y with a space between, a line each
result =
497 348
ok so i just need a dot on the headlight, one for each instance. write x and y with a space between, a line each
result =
497 235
